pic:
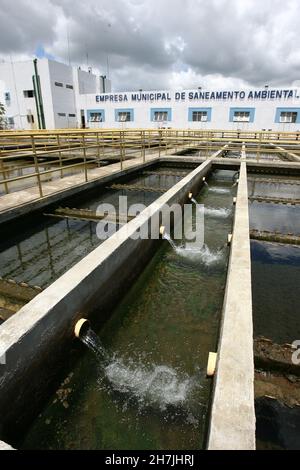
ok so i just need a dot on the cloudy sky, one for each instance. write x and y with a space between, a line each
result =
161 44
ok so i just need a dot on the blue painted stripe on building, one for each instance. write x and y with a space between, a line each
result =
161 110
90 111
199 110
287 110
124 110
242 110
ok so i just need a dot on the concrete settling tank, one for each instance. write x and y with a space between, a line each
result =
154 338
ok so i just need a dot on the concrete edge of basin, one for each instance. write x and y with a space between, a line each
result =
32 340
232 420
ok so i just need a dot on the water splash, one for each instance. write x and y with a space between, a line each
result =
219 190
152 385
167 237
217 212
159 386
197 253
92 341
203 255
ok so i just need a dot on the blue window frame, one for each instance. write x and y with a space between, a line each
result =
287 115
95 115
199 114
160 114
241 115
124 115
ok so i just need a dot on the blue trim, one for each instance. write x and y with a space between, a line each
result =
124 110
199 110
287 110
101 111
160 110
243 110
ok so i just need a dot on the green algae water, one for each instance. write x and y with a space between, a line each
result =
142 382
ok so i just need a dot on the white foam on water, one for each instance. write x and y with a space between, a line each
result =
155 385
217 212
219 190
152 385
203 255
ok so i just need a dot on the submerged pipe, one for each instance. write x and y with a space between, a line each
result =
81 327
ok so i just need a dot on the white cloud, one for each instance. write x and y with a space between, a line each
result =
165 44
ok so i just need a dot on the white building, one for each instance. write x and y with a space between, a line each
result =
45 93
252 109
50 94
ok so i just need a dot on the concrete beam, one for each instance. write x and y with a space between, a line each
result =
33 343
232 424
292 156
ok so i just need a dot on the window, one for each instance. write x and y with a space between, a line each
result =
70 87
97 117
62 114
124 116
241 116
28 93
72 115
288 117
7 96
160 116
11 121
58 84
30 118
199 116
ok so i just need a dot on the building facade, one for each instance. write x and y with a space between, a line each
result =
252 109
45 93
48 94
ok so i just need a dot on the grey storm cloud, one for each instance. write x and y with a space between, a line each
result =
156 44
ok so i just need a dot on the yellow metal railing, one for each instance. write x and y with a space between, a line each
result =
34 157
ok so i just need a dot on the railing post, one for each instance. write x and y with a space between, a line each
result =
4 176
143 147
121 150
98 149
159 143
59 153
36 166
84 157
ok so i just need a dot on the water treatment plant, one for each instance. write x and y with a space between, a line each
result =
121 329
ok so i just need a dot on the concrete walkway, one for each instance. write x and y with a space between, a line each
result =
232 425
25 196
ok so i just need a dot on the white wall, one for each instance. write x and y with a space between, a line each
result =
17 77
63 98
265 111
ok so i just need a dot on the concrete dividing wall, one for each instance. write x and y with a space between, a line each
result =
292 156
232 424
33 342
